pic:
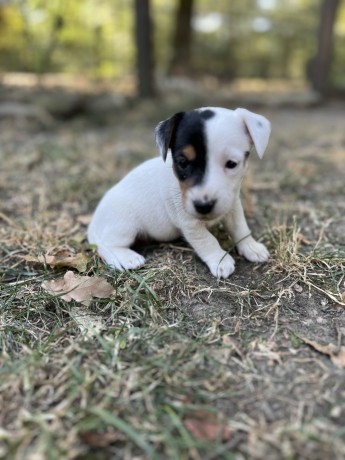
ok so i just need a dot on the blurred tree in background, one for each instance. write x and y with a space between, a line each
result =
227 39
144 46
321 64
182 38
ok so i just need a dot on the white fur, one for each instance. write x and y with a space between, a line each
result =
148 201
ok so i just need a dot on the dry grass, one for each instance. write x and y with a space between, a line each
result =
174 364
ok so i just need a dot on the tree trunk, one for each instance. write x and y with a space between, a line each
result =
182 41
143 37
322 62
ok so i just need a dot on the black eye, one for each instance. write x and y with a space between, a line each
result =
230 164
182 162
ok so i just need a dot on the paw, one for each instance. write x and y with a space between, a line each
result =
221 264
122 258
252 250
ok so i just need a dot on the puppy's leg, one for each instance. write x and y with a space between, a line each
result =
113 245
237 225
220 263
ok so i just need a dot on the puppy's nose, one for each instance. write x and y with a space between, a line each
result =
204 206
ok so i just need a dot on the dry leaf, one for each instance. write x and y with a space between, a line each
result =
337 354
95 439
62 258
205 426
80 288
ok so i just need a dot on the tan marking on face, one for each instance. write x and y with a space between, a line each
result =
189 152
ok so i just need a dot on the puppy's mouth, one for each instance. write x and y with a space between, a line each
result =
208 218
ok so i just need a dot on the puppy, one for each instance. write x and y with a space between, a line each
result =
205 155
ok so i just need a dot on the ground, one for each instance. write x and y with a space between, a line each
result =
173 364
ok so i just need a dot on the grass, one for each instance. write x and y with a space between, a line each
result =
175 364
128 389
316 266
130 379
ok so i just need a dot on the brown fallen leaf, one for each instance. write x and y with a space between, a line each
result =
95 439
63 258
206 426
337 354
80 288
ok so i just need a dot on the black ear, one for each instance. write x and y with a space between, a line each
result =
165 132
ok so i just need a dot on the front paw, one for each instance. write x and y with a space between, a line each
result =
121 258
252 250
221 264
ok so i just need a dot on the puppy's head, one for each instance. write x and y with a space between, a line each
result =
210 148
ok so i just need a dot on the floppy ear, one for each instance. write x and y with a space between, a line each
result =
165 132
258 127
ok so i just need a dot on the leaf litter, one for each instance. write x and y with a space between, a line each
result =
207 426
335 352
62 258
82 289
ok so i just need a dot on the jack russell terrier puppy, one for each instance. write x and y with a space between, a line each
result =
205 155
